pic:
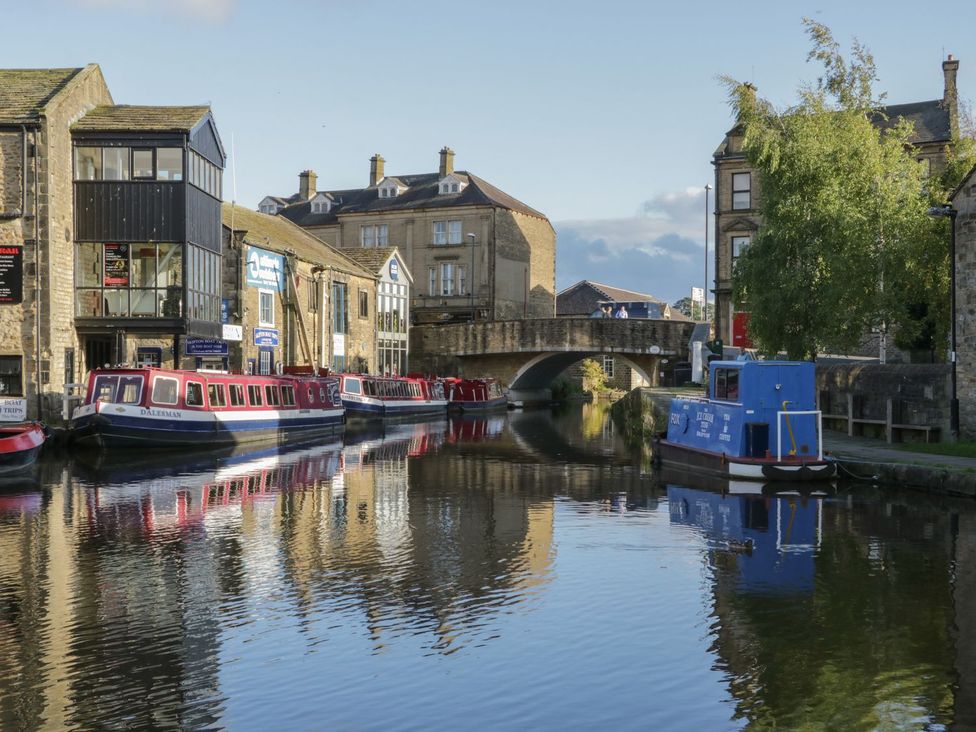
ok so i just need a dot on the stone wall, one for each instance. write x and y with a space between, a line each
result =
920 392
965 203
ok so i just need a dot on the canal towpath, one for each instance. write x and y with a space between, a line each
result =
867 459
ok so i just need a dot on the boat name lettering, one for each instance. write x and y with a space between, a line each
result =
705 417
725 437
152 412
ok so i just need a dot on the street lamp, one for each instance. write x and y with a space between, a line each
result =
948 211
708 187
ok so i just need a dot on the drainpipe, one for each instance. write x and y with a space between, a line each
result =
37 290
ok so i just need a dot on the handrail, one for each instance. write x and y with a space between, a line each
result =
779 433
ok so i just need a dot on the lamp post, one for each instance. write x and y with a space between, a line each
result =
948 211
708 188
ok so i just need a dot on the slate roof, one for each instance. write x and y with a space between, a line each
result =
127 117
25 92
274 232
422 193
373 258
616 294
931 120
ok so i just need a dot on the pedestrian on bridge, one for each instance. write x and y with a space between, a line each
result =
622 312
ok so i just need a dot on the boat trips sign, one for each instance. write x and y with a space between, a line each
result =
265 269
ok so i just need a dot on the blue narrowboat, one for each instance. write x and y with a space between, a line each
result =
759 422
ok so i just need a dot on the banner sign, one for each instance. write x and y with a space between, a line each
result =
225 310
117 264
13 410
698 295
205 347
265 337
11 275
265 269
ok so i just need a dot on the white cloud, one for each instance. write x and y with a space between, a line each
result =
210 11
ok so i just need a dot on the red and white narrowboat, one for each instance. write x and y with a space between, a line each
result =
20 445
149 407
474 395
387 396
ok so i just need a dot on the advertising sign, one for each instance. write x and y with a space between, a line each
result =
233 332
698 294
225 310
394 270
117 265
11 275
266 337
13 410
205 347
265 269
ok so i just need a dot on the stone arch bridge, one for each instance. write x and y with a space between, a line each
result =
527 355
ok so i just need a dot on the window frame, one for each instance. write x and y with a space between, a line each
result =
738 192
264 297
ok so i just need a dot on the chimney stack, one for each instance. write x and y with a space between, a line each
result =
376 169
950 96
307 181
447 161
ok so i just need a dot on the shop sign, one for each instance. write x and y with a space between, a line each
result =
394 269
116 265
205 347
265 269
11 275
233 332
266 337
225 310
13 410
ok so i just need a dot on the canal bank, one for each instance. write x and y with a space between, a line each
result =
644 411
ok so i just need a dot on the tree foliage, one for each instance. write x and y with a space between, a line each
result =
846 242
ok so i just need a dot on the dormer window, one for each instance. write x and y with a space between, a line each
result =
450 184
390 188
269 206
321 204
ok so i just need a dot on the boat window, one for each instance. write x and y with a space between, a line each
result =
727 384
352 386
271 394
194 394
216 394
166 390
288 396
254 395
321 394
237 395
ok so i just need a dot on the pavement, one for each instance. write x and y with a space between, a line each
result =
864 458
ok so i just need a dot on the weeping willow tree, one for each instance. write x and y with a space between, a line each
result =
846 243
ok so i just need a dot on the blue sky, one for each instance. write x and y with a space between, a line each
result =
603 116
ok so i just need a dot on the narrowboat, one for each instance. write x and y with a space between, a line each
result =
364 395
20 445
153 407
474 395
759 422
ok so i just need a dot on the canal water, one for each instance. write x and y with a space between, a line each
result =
514 572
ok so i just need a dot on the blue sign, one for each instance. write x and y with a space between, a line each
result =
265 336
394 270
205 347
225 310
265 269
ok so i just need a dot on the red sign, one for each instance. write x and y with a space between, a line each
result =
740 335
116 264
11 275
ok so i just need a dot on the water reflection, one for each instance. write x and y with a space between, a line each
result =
397 575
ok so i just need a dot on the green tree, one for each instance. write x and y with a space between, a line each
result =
846 242
692 309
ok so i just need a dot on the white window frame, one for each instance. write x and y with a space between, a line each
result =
447 279
462 279
741 195
374 235
454 232
608 366
440 233
432 280
264 295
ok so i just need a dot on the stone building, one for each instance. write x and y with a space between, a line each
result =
963 201
587 299
292 299
392 306
478 253
38 342
737 191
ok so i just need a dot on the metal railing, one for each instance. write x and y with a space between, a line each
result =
779 432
